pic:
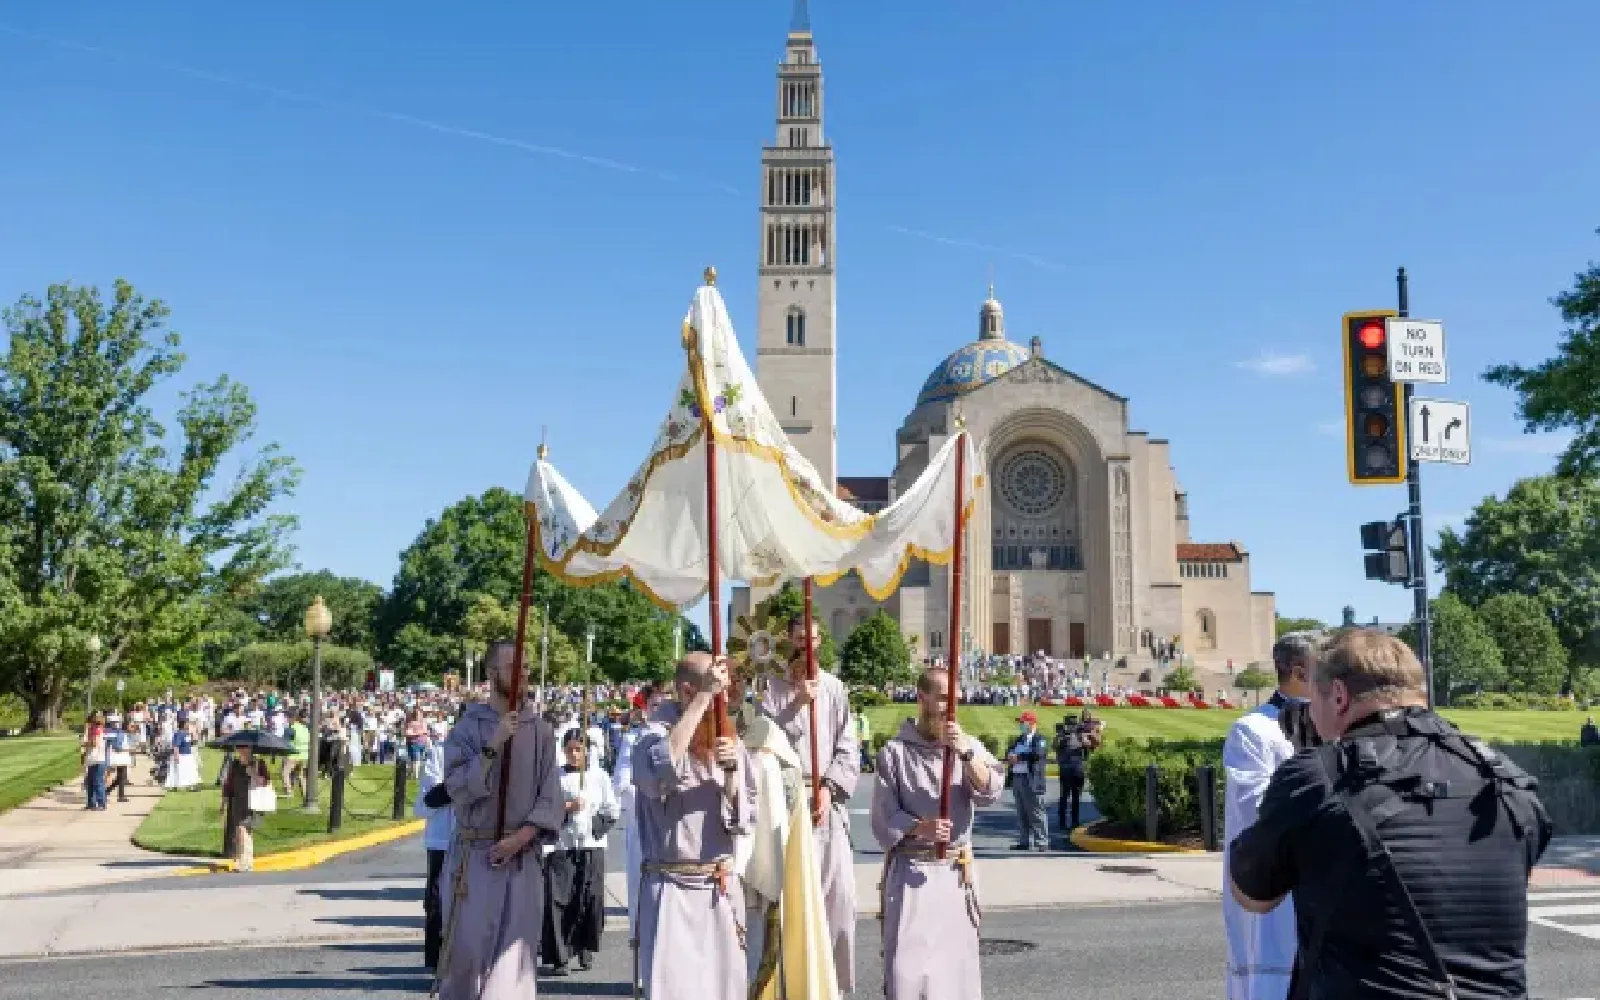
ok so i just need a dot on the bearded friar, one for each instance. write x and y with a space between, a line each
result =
694 793
930 906
787 701
493 888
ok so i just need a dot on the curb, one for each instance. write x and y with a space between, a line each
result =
315 854
1084 841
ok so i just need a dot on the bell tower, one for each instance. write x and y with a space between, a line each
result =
795 343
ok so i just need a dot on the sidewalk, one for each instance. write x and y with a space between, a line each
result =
54 843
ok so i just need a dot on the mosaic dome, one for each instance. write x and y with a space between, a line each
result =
970 367
978 363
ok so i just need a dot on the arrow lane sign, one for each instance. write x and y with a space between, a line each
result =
1453 420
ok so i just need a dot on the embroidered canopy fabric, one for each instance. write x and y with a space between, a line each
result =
776 520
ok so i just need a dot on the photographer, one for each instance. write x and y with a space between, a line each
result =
1072 744
1407 846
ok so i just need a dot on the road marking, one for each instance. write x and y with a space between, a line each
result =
1549 916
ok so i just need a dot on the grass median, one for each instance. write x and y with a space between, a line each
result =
32 765
1203 723
190 823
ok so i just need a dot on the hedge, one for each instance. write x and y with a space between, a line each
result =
1568 775
1501 700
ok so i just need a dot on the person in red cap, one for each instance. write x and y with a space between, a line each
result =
1026 762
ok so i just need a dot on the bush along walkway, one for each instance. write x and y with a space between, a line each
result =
190 823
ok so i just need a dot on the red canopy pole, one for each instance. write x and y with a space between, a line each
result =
517 662
811 674
952 664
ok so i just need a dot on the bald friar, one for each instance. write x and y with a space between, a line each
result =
694 793
930 907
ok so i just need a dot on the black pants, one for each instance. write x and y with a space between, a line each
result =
433 930
120 783
1071 796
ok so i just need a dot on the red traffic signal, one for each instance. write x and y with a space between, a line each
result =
1374 404
1371 336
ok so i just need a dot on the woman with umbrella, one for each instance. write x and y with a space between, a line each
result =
245 786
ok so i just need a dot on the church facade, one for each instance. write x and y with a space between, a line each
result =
1079 545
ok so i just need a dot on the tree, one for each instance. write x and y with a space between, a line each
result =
1181 678
787 602
110 526
1564 392
488 620
475 548
282 602
1286 625
1542 541
1465 656
876 654
1253 678
1535 661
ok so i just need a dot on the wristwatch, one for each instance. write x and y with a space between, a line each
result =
490 753
966 755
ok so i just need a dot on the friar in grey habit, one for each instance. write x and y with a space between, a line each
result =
694 793
786 702
493 889
930 907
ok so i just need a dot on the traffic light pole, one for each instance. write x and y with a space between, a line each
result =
1419 552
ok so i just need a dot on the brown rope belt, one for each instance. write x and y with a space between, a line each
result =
458 895
959 856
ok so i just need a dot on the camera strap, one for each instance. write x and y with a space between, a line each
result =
1377 851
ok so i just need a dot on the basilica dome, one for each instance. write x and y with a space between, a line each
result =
978 363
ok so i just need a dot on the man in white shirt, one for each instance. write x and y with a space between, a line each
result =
1261 948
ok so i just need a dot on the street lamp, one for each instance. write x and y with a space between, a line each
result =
468 659
92 644
319 622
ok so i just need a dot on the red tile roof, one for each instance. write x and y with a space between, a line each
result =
1208 552
865 489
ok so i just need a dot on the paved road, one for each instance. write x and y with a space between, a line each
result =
1142 952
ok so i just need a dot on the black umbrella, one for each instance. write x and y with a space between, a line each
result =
258 740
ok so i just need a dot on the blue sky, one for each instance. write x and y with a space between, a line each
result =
421 231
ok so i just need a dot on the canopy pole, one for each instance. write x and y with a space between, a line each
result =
951 667
720 705
811 707
529 555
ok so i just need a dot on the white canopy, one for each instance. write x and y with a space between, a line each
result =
776 520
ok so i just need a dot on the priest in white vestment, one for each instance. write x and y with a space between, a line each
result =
1261 947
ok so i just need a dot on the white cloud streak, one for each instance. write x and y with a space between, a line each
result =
1530 444
965 244
1273 365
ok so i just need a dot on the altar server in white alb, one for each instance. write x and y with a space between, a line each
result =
1261 947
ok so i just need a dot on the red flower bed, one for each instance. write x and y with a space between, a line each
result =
1225 703
1197 703
1170 702
1074 702
1138 701
1105 701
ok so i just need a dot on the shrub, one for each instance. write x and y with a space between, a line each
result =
1503 701
863 698
1116 774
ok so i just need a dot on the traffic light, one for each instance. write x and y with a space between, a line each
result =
1388 553
1374 406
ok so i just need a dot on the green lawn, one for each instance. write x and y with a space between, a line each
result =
30 765
1192 723
190 823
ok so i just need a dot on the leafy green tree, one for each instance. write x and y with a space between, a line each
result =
488 620
1286 625
1254 678
788 601
1564 392
1542 541
876 654
110 524
1535 661
279 607
1180 678
1465 656
475 548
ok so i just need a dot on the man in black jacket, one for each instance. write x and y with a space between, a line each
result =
1407 846
1026 761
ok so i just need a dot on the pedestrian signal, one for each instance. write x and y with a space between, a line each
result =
1388 550
1374 406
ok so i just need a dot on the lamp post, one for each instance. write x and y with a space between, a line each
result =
677 640
318 623
92 644
468 659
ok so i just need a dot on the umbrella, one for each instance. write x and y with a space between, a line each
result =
258 740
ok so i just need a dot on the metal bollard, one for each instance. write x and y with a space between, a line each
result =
341 764
1152 803
401 772
1205 777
